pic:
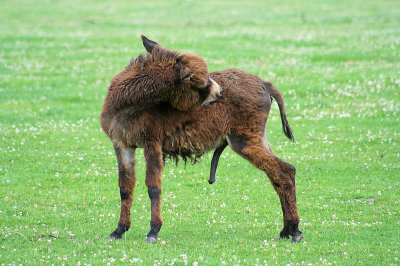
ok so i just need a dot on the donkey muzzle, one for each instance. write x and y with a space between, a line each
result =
215 93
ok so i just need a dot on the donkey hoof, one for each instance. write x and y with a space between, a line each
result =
114 237
152 239
296 239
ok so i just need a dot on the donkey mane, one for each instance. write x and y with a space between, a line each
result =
158 55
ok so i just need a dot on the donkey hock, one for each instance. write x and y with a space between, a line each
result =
171 106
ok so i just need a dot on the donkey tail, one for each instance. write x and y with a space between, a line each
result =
276 94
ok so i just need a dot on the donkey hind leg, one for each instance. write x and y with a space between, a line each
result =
154 167
282 177
127 180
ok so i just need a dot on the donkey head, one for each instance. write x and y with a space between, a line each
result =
190 74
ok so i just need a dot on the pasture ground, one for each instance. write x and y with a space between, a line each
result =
337 65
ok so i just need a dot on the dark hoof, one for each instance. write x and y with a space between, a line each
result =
152 239
114 236
296 239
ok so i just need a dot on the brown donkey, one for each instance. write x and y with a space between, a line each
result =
161 102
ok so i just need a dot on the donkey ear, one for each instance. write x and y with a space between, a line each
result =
149 44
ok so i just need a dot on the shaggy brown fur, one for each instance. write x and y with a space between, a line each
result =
149 105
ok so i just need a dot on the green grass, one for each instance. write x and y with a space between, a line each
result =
337 65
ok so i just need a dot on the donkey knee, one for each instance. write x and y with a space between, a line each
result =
124 194
154 192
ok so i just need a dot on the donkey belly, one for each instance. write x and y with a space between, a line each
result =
191 143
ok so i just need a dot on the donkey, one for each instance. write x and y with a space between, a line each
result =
171 106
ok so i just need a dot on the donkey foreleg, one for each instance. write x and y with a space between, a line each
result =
127 180
154 167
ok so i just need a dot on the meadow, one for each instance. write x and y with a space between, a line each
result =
337 64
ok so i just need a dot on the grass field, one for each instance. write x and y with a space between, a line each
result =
337 64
